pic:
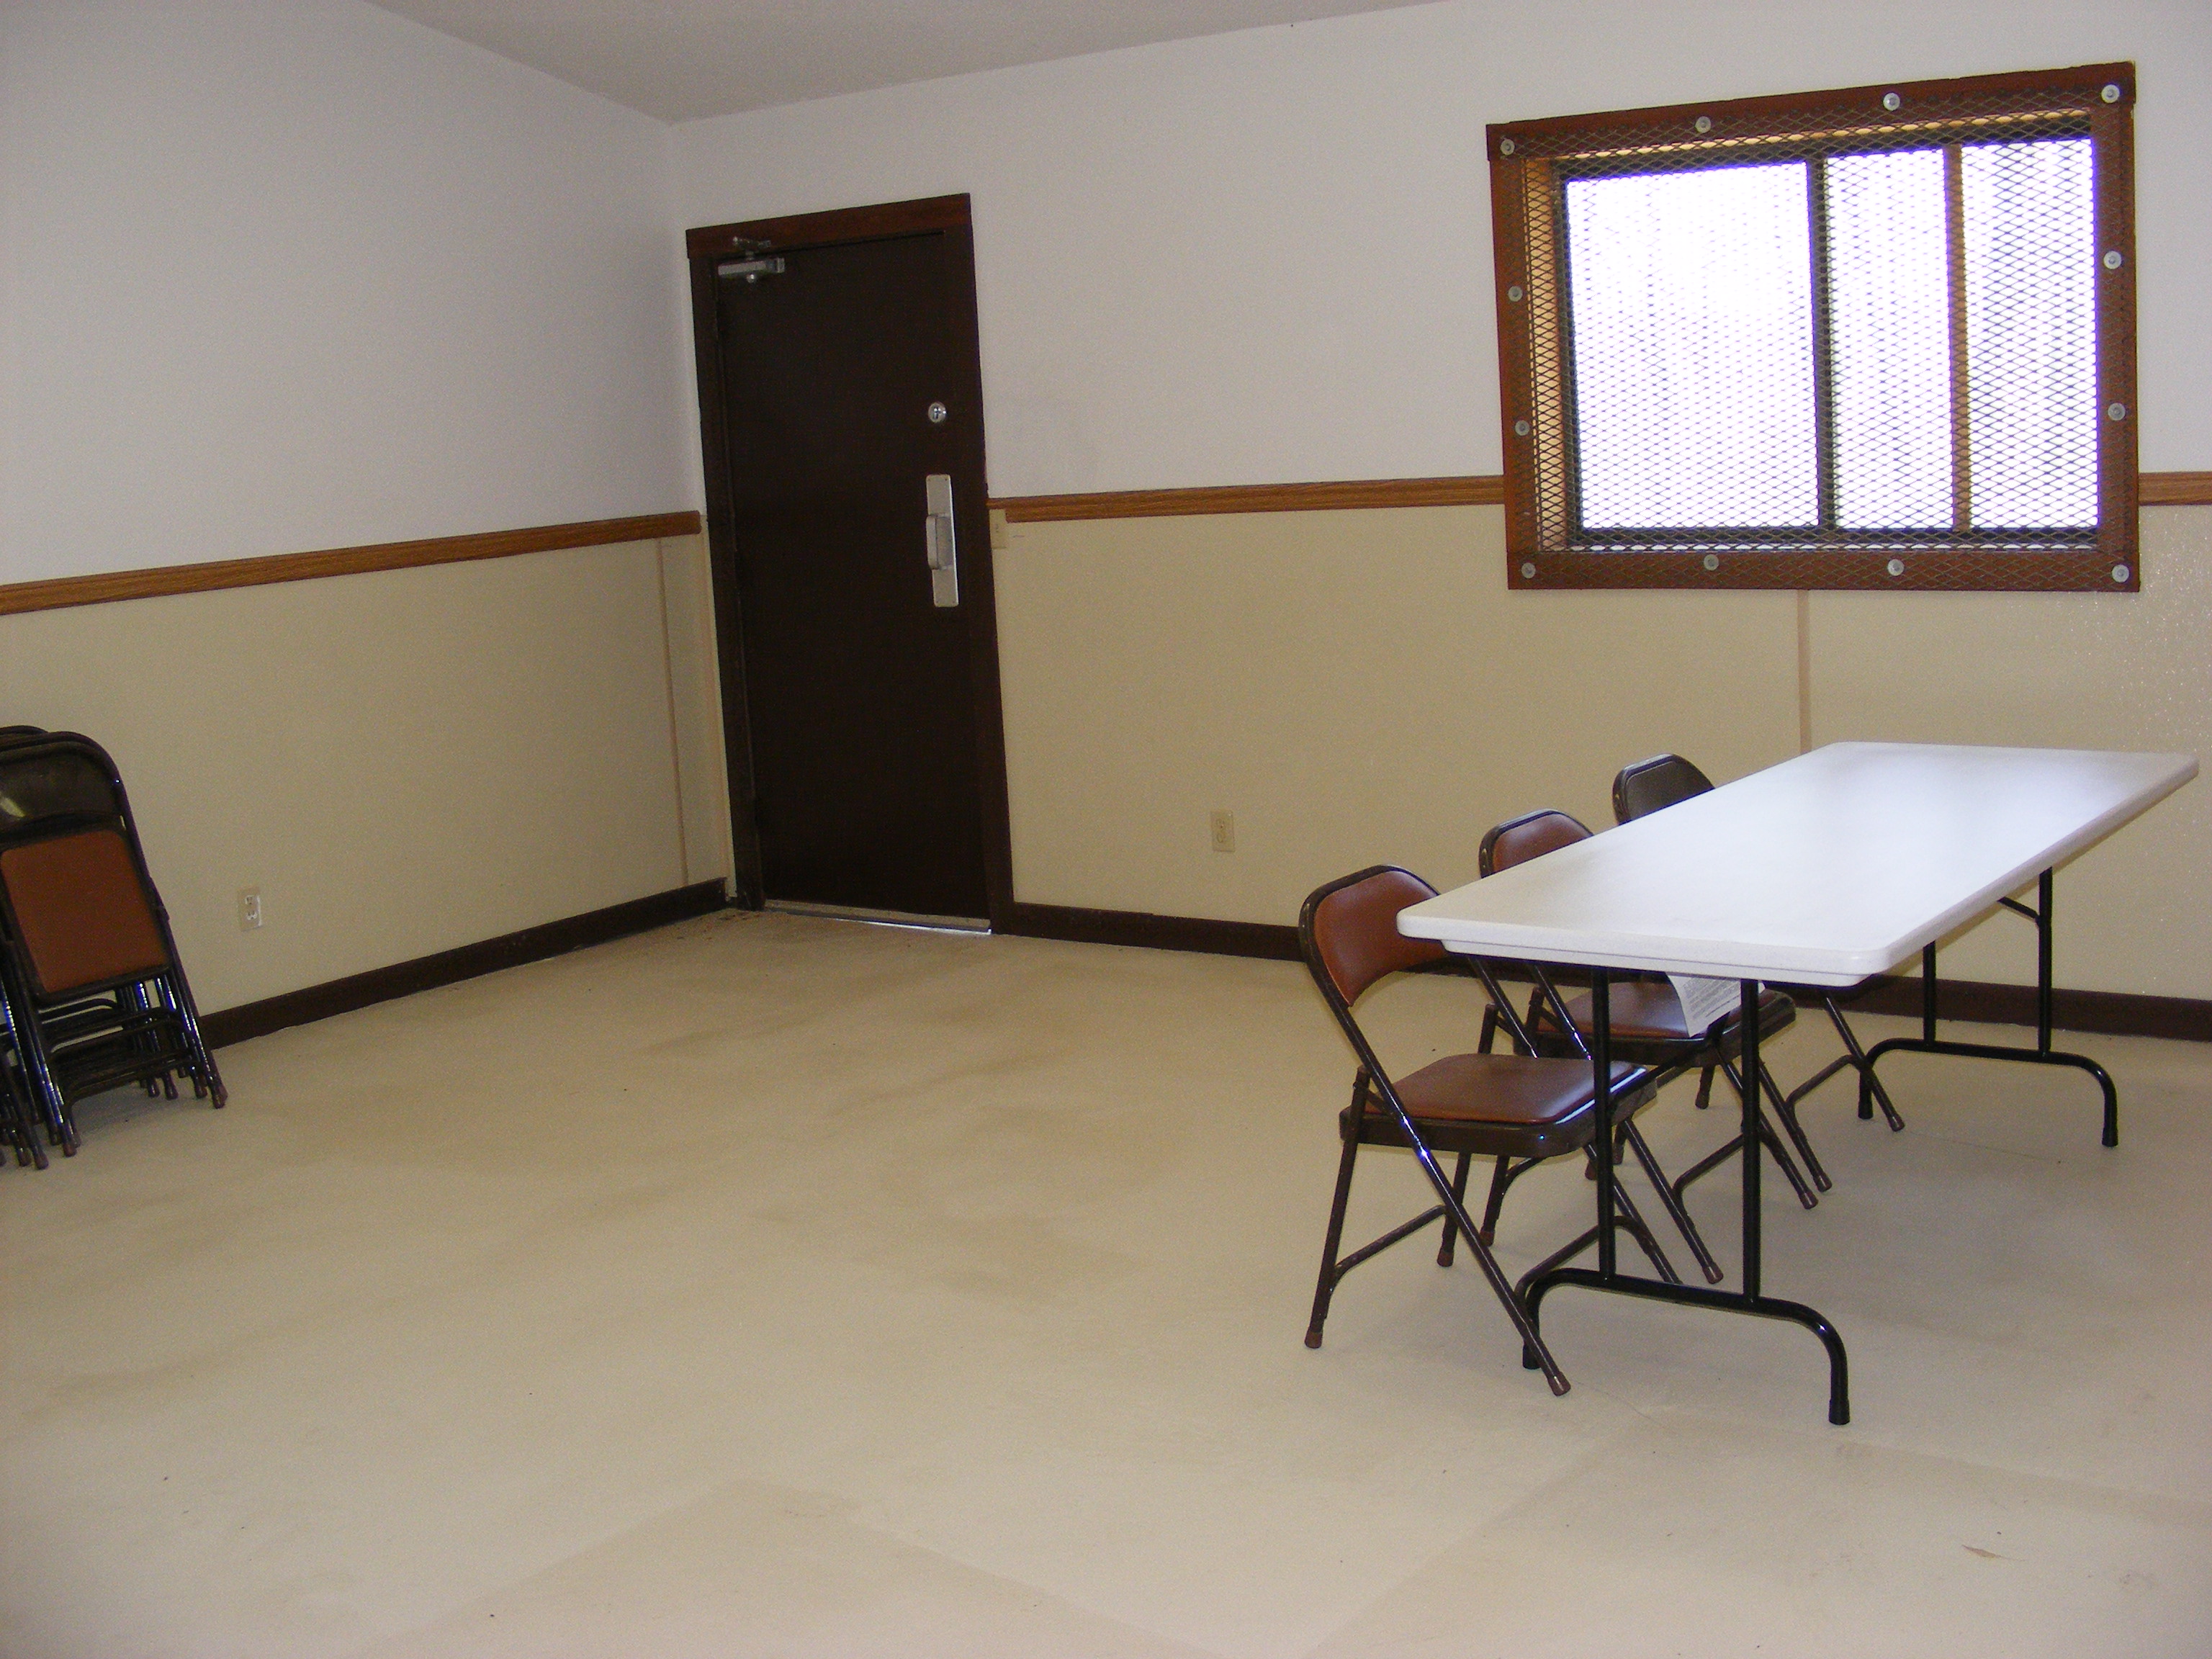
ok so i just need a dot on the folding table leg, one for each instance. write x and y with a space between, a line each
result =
1751 1144
2042 1054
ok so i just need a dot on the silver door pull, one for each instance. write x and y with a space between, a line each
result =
943 549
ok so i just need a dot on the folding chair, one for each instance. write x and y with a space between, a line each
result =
1650 786
1519 1109
92 994
1648 1025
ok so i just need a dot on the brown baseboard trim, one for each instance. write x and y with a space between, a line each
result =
1984 1002
402 979
62 593
2113 1013
1268 941
1474 490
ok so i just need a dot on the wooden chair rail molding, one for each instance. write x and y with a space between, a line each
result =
65 591
2174 488
1481 490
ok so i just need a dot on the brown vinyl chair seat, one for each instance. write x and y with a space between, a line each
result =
1497 1106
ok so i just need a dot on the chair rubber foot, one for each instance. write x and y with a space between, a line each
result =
1529 1360
1312 1338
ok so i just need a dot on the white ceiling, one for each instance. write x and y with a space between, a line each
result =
680 59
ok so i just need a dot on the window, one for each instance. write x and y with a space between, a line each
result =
1881 337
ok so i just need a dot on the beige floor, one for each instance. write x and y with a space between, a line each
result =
775 1286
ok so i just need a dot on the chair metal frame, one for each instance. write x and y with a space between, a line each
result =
1372 1086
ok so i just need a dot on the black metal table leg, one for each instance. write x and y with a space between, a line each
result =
1748 1300
1602 1069
2042 1054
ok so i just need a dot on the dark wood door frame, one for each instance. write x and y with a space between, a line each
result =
705 247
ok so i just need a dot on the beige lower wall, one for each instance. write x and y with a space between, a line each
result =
2074 670
1360 687
1356 687
402 761
408 761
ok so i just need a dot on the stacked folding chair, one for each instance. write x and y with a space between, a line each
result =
92 994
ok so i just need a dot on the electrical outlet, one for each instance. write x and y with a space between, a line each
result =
1000 534
249 907
1224 832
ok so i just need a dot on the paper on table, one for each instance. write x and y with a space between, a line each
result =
1704 1001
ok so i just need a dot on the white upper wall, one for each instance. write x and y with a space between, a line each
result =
1265 257
302 274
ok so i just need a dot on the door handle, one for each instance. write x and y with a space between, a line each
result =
940 542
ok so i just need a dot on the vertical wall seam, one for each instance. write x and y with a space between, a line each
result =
1804 671
668 688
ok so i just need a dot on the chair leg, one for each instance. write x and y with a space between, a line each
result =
1788 1113
1673 1205
1870 1088
19 1123
1327 1287
1806 1198
46 1089
1451 1225
1489 1029
1501 1177
1774 1144
1536 1354
1632 1220
1704 1088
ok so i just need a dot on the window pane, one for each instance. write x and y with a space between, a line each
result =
1889 341
2031 333
1691 294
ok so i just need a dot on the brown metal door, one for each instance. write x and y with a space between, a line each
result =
869 765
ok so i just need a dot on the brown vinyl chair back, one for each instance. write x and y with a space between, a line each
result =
79 917
1651 785
1348 931
1528 836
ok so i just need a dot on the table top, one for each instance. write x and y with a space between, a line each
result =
1836 865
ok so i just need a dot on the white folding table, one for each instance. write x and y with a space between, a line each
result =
1821 871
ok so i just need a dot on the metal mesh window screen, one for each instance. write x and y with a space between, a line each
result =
1868 337
1693 306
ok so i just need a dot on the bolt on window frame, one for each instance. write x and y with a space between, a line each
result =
1532 161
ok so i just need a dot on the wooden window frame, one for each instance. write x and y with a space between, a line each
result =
1528 163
